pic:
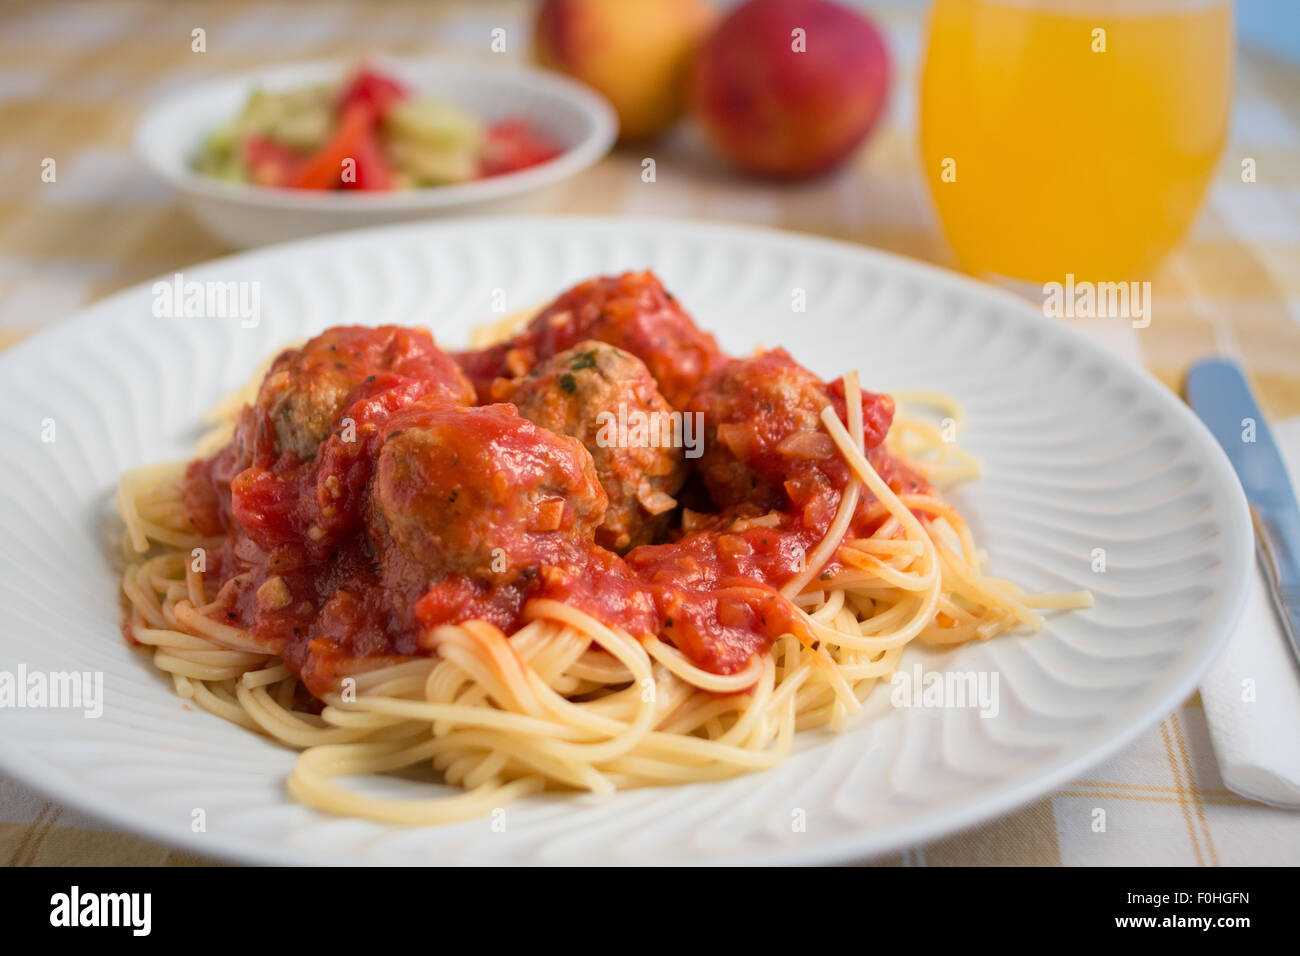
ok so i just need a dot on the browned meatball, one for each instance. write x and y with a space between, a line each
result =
452 485
632 311
307 389
764 442
585 391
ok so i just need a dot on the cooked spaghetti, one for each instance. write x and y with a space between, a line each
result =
597 554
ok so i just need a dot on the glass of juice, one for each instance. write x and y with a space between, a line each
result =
1073 136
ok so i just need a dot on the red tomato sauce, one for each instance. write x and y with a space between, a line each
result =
354 555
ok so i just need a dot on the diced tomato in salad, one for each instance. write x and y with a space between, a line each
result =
268 163
326 168
374 89
371 172
512 144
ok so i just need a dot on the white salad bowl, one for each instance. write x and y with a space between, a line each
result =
173 131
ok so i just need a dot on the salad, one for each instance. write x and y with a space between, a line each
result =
369 133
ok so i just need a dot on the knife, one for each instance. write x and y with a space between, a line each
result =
1218 392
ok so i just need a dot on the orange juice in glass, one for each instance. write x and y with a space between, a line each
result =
1072 136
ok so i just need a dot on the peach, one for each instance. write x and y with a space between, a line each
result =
636 52
790 88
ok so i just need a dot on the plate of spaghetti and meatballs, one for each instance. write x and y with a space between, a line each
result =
698 543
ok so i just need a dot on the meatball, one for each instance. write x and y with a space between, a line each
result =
479 491
764 443
585 392
307 389
632 311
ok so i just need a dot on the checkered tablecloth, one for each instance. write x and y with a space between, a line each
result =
74 78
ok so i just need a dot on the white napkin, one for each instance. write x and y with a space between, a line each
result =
1258 742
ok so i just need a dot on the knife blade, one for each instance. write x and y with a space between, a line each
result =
1218 392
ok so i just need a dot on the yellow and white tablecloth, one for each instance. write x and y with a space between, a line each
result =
74 77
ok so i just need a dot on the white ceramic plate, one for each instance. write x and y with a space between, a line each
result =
1081 452
569 114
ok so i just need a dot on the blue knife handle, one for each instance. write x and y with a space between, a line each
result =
1219 393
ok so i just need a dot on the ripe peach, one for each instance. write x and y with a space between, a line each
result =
636 52
789 88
